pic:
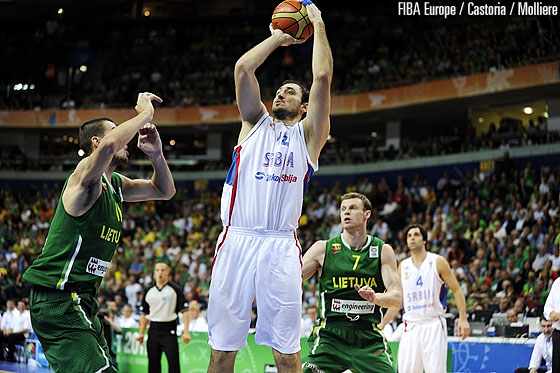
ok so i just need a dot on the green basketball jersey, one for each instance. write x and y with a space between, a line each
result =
78 250
344 267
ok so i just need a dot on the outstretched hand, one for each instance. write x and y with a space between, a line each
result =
314 13
148 140
286 39
144 103
366 292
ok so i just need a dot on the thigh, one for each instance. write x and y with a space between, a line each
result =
232 290
171 349
279 294
434 342
371 353
409 355
62 325
328 351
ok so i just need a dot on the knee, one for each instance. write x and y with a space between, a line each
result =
287 362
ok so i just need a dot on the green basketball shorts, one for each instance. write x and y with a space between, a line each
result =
69 330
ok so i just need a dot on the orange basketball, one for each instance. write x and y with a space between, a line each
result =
291 17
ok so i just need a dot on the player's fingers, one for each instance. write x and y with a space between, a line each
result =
357 287
154 97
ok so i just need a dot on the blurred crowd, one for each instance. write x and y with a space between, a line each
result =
190 61
498 229
451 140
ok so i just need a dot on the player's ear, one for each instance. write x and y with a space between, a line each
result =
303 107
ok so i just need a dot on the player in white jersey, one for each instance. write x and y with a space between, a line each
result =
423 345
257 254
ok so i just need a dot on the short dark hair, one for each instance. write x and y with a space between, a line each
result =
162 259
304 90
89 129
421 228
365 200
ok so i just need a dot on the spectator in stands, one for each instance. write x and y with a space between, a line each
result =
126 320
17 330
552 313
541 258
197 322
542 350
308 321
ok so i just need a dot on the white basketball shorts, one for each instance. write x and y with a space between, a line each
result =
423 347
262 264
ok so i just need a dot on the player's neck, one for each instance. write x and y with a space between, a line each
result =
356 239
288 122
418 256
161 284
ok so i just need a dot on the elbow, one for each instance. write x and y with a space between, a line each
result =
397 303
241 68
108 147
167 194
171 192
324 76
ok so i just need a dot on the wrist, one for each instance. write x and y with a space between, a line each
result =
156 156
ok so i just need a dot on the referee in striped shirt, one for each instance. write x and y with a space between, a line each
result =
161 305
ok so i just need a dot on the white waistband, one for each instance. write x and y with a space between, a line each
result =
259 232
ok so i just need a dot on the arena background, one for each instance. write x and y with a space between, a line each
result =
453 122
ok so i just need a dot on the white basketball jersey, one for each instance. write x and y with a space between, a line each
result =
268 178
424 293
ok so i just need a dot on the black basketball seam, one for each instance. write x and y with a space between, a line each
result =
293 6
287 27
305 18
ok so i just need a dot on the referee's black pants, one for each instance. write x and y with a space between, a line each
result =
161 338
556 351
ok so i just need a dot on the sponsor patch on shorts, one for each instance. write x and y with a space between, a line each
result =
97 267
352 306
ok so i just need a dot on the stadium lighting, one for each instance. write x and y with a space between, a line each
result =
172 142
70 139
147 13
373 134
60 11
81 153
545 114
528 110
32 86
64 137
83 68
480 120
18 87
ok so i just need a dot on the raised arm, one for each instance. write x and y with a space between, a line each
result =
317 123
313 259
445 272
247 91
84 185
161 184
392 297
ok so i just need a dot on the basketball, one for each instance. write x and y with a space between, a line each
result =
291 17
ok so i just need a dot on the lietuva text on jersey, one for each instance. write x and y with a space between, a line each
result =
349 282
268 177
110 234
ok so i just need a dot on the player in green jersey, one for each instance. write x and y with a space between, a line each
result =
358 281
83 237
